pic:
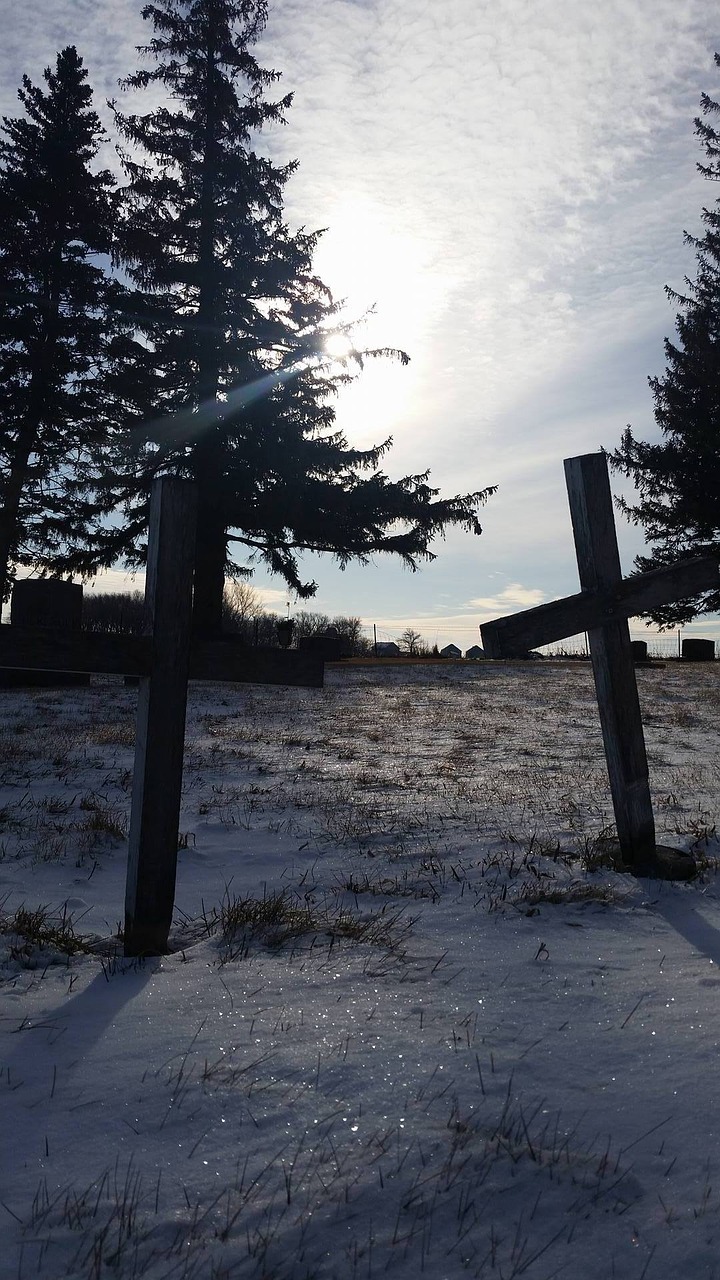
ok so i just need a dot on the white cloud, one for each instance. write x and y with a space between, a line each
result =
511 599
510 183
111 580
274 598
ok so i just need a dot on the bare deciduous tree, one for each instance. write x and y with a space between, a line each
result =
412 643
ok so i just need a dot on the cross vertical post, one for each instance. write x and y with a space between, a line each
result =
591 510
162 700
602 608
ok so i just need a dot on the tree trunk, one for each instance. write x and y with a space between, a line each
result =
211 546
210 559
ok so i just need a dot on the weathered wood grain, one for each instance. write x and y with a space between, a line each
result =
591 511
47 649
224 660
519 632
160 732
601 609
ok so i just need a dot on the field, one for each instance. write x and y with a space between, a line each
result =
412 1022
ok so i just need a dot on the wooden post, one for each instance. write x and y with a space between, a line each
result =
602 609
519 632
593 523
159 745
164 659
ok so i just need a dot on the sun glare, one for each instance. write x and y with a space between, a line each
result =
338 346
372 260
376 263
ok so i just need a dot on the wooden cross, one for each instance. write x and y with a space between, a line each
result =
165 659
602 609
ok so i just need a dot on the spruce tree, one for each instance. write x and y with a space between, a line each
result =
56 215
678 477
232 318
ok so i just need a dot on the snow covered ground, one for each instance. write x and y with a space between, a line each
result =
411 1024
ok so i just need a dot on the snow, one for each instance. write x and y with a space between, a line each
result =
458 1046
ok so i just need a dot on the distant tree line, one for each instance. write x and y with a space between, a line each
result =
123 613
114 613
172 320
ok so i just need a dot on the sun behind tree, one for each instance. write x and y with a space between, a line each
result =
230 378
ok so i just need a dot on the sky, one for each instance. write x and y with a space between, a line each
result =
508 187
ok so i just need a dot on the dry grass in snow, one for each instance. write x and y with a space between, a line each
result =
412 1022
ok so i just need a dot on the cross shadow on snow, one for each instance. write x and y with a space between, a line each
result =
67 1026
48 1054
681 911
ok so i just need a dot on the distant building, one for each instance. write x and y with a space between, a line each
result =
475 652
387 649
450 651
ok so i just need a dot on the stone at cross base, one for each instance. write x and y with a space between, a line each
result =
602 609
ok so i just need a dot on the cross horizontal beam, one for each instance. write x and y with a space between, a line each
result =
47 649
588 610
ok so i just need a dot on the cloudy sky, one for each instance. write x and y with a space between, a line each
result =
508 186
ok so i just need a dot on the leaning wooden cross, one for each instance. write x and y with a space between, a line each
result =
602 609
165 658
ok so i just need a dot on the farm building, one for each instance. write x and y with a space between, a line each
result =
475 652
387 649
450 651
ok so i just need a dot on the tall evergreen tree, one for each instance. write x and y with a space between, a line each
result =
56 215
232 318
678 477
